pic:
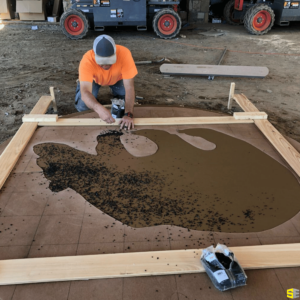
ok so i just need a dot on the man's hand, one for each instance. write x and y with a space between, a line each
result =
129 103
127 123
92 103
104 114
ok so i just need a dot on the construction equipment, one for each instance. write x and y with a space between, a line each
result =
259 16
96 14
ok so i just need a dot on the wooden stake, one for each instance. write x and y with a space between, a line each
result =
231 95
54 105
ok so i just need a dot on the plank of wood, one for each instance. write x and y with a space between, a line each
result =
214 70
250 116
148 121
42 105
14 149
51 269
287 151
39 118
245 103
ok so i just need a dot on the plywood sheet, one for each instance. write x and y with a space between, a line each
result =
214 70
138 146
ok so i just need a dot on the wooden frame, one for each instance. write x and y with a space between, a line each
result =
35 270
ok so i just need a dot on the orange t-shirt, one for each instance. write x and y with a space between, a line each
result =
124 68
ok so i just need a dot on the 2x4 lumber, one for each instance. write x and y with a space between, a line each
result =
42 105
250 116
214 70
245 103
148 121
37 270
39 118
286 150
14 149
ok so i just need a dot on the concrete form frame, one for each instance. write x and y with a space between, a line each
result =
36 270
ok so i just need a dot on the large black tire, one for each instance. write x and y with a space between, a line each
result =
74 24
259 19
166 23
228 14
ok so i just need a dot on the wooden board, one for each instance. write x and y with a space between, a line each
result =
286 150
35 270
214 70
148 121
39 118
245 103
42 105
250 115
14 149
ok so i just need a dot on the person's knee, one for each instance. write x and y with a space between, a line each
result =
80 106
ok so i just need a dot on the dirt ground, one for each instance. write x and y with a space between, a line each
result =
32 61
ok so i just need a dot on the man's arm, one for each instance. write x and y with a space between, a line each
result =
129 103
92 103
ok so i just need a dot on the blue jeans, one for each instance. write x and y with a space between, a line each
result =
117 89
